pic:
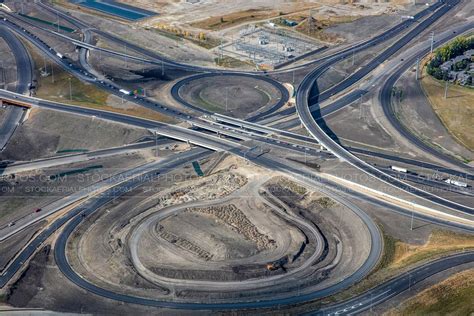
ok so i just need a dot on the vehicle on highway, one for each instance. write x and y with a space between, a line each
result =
11 224
38 210
456 183
399 169
125 92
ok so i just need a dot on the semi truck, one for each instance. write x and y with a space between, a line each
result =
125 92
399 169
456 183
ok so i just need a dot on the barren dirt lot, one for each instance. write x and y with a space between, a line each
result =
47 132
8 81
237 12
235 96
210 242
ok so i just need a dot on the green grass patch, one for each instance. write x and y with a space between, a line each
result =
197 168
58 89
453 296
65 151
292 186
230 62
55 24
399 257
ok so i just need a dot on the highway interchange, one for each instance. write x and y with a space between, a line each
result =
203 134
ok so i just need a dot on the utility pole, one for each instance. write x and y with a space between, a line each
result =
432 42
293 77
446 90
310 22
353 57
100 58
57 13
412 217
417 68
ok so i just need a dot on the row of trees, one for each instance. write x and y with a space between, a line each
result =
457 47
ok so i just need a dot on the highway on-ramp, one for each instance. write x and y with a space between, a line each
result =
308 90
24 77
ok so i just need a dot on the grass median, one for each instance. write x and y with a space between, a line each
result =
65 88
453 296
456 111
399 257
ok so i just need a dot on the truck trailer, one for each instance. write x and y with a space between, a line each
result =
399 169
125 92
456 183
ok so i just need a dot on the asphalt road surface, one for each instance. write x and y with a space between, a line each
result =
308 91
24 75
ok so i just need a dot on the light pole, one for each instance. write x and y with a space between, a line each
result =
446 90
126 61
412 217
432 42
417 68
3 75
70 89
226 97
156 144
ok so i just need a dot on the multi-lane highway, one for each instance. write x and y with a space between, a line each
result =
115 186
395 286
24 77
385 97
308 91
